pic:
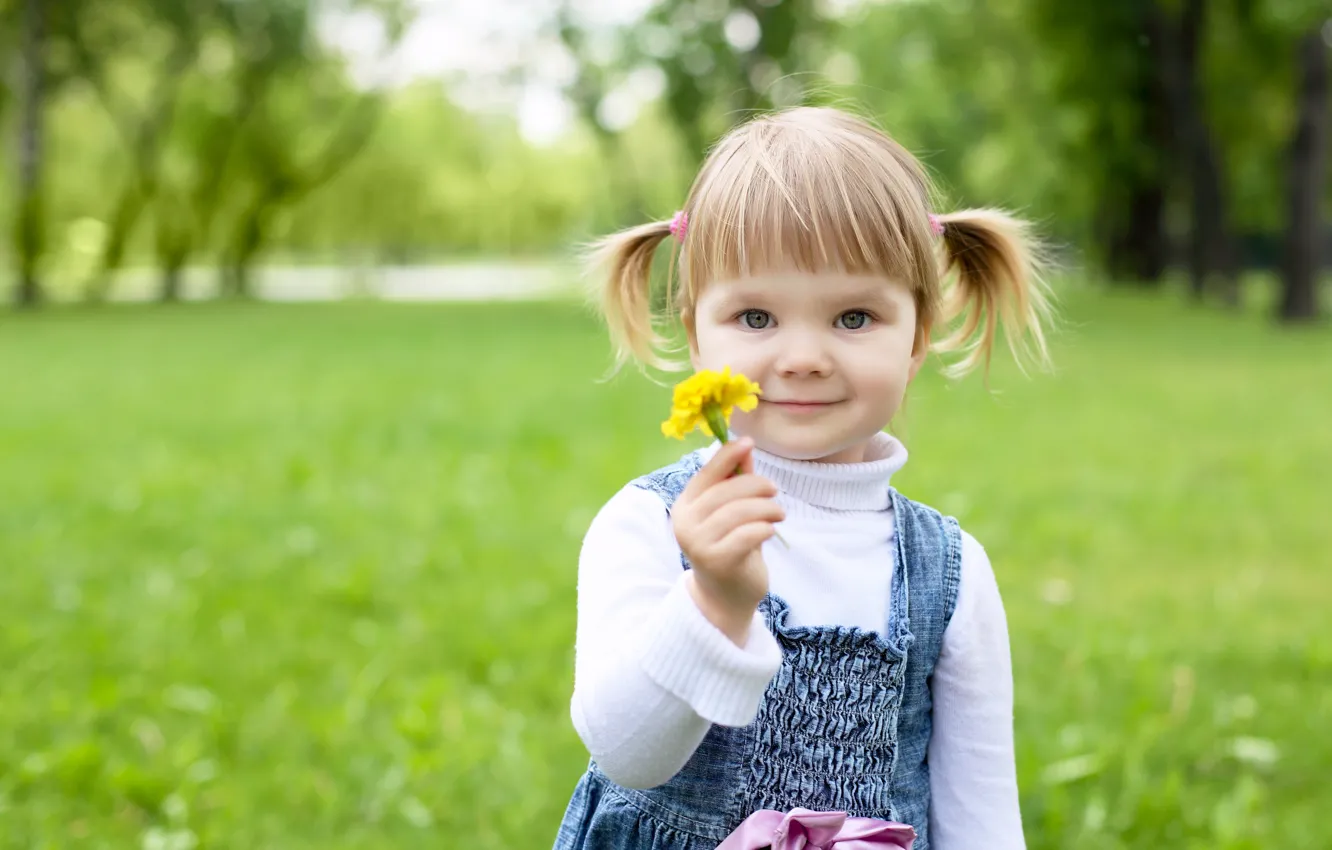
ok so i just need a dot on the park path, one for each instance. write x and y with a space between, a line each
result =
470 281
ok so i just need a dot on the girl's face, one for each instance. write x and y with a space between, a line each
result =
833 354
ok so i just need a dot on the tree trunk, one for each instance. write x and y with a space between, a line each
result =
126 213
1137 245
172 269
1306 174
29 230
174 247
1134 215
251 230
233 279
1211 248
1212 254
1146 252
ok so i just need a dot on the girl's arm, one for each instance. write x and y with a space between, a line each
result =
651 673
973 774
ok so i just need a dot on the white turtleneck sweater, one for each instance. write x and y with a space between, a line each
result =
652 674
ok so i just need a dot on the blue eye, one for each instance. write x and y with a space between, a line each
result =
853 320
756 320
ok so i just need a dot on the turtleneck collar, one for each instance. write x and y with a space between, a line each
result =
837 486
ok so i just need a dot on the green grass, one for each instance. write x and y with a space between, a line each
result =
303 576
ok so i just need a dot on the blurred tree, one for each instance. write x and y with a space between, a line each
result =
998 137
720 60
229 128
183 82
1179 38
437 180
1106 59
29 234
726 59
305 123
196 167
9 38
281 172
1277 52
594 78
1307 175
44 32
136 56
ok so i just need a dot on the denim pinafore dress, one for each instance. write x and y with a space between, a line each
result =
844 724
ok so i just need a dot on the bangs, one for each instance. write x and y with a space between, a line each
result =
783 198
818 191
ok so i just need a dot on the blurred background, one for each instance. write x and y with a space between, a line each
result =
303 421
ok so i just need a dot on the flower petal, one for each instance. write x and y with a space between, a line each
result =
693 397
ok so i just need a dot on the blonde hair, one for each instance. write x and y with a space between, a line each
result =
816 189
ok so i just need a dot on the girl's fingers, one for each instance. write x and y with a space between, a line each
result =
731 456
745 539
733 489
747 460
732 515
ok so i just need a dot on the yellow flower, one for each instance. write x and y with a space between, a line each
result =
706 400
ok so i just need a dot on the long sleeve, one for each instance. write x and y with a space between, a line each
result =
973 773
651 673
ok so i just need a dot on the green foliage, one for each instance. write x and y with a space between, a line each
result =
312 585
215 108
722 61
435 180
202 132
988 138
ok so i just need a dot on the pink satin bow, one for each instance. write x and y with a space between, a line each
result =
803 829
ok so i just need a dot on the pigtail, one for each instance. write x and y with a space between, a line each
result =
623 262
994 267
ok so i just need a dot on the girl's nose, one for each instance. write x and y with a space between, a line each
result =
802 353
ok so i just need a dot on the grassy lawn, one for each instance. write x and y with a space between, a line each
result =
303 576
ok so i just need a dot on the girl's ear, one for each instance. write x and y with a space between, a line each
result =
687 319
920 349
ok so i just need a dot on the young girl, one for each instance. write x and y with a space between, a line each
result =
850 680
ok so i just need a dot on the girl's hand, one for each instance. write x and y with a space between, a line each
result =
720 521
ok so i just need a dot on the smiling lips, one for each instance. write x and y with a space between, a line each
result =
800 406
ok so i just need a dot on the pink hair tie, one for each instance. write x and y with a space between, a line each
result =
936 225
679 224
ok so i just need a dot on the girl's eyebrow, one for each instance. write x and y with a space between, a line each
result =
867 293
742 292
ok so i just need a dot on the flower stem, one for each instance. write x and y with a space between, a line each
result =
717 423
